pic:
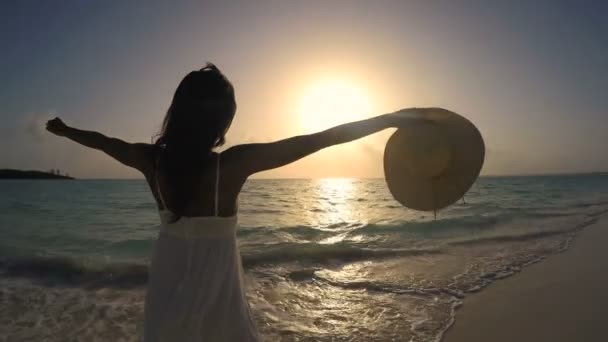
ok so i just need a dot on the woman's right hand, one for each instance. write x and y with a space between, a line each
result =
57 127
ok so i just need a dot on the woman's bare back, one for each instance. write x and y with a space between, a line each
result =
216 176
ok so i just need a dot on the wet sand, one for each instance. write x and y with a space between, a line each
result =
563 298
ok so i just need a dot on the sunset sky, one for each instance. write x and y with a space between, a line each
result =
531 75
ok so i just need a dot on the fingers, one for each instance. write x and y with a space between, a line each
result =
55 125
55 121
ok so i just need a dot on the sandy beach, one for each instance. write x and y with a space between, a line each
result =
562 298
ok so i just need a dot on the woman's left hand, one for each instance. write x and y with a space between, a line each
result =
56 126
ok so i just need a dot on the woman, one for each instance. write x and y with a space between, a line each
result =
195 290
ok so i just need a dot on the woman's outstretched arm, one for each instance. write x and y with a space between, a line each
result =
138 156
255 158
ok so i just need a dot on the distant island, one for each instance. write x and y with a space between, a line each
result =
31 174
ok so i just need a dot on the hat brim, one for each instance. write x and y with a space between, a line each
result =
418 189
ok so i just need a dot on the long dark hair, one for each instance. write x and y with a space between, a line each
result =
197 121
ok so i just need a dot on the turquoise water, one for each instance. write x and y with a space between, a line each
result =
329 259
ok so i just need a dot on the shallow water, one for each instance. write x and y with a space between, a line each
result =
329 259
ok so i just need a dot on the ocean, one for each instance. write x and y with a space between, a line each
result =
325 260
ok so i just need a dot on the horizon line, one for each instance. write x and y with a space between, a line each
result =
347 177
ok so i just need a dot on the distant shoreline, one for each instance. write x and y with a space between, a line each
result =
29 174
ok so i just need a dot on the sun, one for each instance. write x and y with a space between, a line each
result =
327 103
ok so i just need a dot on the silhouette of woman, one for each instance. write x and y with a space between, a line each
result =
195 289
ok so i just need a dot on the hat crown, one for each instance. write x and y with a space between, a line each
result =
429 154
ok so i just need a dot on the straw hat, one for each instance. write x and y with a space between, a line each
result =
433 162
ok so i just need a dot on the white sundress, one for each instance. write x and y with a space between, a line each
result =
195 285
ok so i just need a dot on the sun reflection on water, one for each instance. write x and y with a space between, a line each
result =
331 205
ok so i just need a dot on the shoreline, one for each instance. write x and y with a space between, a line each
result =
13 174
561 298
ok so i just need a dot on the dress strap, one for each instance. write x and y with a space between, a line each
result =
217 185
160 194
